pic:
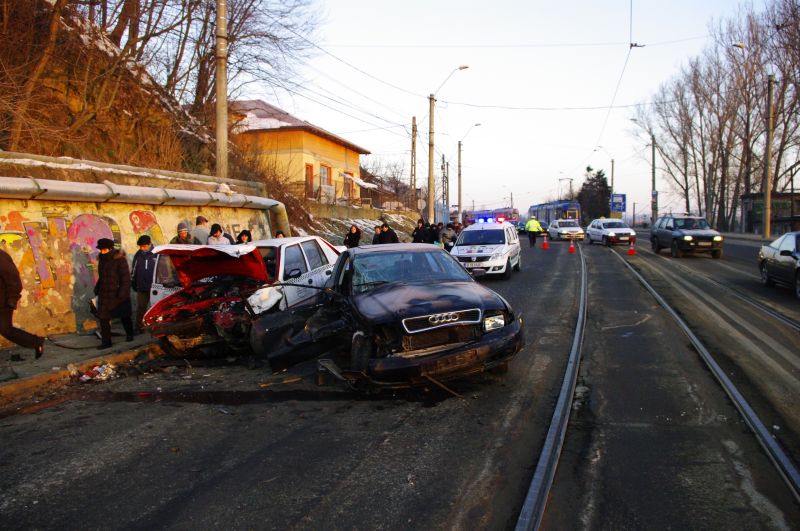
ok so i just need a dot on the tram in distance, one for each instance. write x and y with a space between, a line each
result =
549 212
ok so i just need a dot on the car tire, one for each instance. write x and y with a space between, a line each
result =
765 278
507 272
360 352
591 241
654 245
605 242
501 368
797 284
716 254
519 262
674 251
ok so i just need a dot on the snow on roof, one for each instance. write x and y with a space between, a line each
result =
362 184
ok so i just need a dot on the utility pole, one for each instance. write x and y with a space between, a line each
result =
447 194
222 89
444 183
413 179
459 216
633 222
653 193
431 183
512 199
612 176
768 162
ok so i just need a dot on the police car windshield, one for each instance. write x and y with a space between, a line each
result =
614 225
482 237
567 223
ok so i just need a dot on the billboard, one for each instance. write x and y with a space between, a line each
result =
618 202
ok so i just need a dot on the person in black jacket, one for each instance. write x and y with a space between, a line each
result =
113 291
420 233
388 235
376 237
352 237
144 262
244 237
10 293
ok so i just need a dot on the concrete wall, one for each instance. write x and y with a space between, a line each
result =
53 245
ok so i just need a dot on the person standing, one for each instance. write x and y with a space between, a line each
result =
352 237
113 291
10 293
183 237
533 228
217 237
448 237
419 236
376 237
201 231
144 263
388 235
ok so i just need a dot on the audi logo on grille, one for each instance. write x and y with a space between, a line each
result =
473 258
441 318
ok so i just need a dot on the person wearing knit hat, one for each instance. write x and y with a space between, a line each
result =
144 263
113 290
183 236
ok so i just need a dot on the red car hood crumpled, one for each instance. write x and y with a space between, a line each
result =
195 262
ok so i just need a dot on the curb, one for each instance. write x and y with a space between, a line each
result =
23 388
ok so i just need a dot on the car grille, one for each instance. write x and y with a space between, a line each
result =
415 325
441 336
473 258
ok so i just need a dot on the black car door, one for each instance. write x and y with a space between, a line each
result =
785 259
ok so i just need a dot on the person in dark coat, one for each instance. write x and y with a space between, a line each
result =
388 235
10 293
376 237
183 236
419 235
113 291
430 233
144 263
352 237
244 237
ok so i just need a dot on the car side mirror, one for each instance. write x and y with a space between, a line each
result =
294 273
786 252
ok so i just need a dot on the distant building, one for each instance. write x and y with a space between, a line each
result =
785 213
320 165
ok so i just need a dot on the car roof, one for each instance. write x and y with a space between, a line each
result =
280 241
487 226
389 247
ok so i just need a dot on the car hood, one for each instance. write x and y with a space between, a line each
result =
393 302
195 262
707 233
570 229
461 250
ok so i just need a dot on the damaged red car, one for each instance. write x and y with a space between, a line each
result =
393 316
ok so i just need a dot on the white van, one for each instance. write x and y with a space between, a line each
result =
493 247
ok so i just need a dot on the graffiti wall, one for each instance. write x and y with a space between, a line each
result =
53 245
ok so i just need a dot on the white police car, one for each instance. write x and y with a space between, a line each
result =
490 246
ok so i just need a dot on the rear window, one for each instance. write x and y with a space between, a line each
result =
293 259
166 274
314 254
482 237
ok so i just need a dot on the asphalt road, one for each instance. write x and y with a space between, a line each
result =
653 442
229 447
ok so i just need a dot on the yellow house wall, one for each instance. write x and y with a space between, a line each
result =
292 150
53 245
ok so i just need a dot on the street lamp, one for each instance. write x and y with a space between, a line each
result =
570 186
431 182
459 169
653 193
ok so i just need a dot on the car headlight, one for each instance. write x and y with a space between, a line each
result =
632 233
717 238
688 238
612 234
497 256
494 322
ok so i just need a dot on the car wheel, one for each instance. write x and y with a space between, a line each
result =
507 272
654 245
676 253
591 241
360 352
765 278
717 253
501 368
605 241
797 285
519 262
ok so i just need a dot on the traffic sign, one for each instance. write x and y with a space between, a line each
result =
618 202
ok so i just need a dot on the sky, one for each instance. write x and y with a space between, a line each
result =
564 61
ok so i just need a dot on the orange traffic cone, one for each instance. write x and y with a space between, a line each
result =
631 249
572 246
545 245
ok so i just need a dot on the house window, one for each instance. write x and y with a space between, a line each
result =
325 175
310 180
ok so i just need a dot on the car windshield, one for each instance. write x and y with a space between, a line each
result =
376 269
614 225
567 223
691 224
482 237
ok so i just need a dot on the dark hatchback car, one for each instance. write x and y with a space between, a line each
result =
685 234
395 315
780 262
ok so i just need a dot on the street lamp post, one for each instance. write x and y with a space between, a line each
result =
768 162
654 192
431 181
460 220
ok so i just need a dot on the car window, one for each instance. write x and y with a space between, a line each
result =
481 237
568 223
373 270
293 259
777 243
270 256
788 244
316 258
668 225
166 274
614 225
